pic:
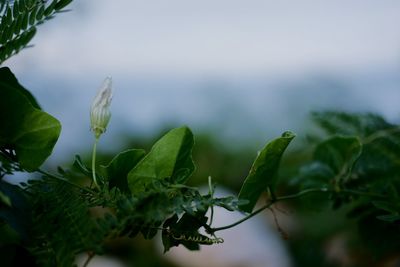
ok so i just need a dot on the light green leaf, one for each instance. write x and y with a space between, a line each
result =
117 170
262 174
170 157
26 129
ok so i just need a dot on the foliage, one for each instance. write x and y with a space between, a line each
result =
53 217
19 19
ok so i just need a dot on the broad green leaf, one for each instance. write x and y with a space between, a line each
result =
262 174
339 153
170 157
26 129
117 170
7 77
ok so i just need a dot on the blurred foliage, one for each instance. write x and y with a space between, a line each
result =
19 20
343 185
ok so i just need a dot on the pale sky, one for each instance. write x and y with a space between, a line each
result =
223 37
250 69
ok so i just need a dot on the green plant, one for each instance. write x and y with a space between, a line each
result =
54 217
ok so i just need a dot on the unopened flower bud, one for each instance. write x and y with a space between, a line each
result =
99 111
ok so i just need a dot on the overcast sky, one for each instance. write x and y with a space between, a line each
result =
222 37
249 68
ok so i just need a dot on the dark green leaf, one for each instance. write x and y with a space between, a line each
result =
389 217
117 170
16 9
262 174
168 158
40 12
9 17
18 24
387 206
7 77
29 131
32 15
61 4
25 20
80 166
50 8
339 153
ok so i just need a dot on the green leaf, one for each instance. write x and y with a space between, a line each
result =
340 153
170 157
117 170
389 217
387 206
26 129
80 166
40 12
32 15
4 199
50 8
7 77
16 9
61 4
262 174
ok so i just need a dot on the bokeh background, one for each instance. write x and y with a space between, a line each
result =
237 72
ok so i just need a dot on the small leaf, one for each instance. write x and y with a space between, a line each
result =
79 165
387 206
25 21
262 174
40 12
61 4
5 199
16 9
117 170
170 157
50 8
32 15
389 217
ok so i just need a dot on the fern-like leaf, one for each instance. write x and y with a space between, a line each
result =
19 20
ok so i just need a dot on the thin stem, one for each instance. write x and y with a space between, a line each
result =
268 205
244 219
64 180
293 196
211 192
89 258
302 193
94 162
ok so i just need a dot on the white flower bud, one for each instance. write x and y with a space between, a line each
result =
99 111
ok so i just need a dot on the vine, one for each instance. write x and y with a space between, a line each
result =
52 217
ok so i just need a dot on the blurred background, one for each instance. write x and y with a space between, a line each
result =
238 73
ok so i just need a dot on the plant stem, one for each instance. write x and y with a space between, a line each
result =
94 162
211 192
293 196
89 258
64 180
213 230
269 204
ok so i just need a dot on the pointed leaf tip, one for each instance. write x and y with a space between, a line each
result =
262 174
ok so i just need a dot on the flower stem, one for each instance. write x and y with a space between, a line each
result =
94 162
